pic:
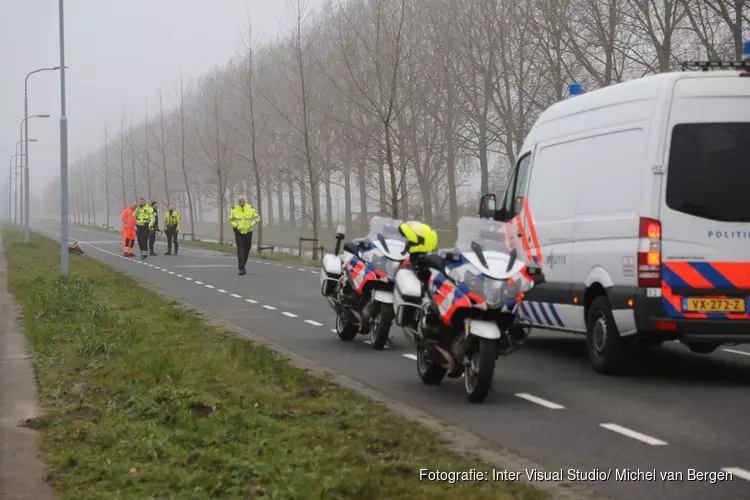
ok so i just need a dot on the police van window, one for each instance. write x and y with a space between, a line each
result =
508 197
709 171
523 181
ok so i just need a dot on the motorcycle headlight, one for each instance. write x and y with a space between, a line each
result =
500 292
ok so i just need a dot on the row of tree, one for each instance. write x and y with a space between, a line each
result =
403 107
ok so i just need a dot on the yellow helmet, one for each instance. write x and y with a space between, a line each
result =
422 237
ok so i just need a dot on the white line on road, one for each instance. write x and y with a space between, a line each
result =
221 290
205 265
736 471
370 343
236 296
734 351
633 434
209 286
198 282
313 323
291 315
300 269
270 308
251 301
333 330
180 276
188 278
171 272
410 356
540 401
277 265
289 267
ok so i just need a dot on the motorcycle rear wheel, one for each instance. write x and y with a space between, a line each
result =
345 331
478 374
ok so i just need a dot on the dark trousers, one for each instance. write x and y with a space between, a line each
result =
172 238
143 233
151 241
243 242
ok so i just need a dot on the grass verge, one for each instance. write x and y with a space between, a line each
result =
142 399
275 256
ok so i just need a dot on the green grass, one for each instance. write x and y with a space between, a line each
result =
275 256
142 399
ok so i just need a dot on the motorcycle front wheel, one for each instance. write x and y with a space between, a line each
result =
480 369
381 325
345 330
429 371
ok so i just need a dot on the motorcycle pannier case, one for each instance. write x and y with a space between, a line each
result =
329 274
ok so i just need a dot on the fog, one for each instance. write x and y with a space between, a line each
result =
118 55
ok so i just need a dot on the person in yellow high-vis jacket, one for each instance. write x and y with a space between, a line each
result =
144 216
243 218
171 229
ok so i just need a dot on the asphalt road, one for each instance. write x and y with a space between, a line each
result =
680 412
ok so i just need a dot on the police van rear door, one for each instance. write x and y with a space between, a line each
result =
705 208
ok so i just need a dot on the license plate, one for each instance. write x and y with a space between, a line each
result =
707 305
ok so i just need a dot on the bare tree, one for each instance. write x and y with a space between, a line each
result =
106 171
183 154
163 141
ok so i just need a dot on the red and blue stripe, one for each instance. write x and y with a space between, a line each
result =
702 275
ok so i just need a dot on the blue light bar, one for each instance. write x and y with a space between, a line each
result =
574 89
746 51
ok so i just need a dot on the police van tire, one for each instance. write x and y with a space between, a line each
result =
607 350
702 348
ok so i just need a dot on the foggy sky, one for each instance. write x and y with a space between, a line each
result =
118 53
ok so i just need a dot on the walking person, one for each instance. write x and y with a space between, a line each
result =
144 216
243 218
154 229
128 230
172 229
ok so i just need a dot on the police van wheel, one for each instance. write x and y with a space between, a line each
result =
701 348
607 350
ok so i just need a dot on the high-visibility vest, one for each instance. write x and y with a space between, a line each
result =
243 219
172 219
128 218
144 216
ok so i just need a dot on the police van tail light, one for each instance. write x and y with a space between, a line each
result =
649 254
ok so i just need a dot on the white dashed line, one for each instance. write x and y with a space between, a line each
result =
289 267
540 401
734 351
313 323
236 296
208 286
155 267
300 269
270 308
277 265
170 272
736 471
633 434
221 291
291 315
334 330
370 343
198 282
180 276
251 301
410 356
188 278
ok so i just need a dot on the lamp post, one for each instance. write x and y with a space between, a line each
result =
19 155
25 179
26 146
12 174
63 151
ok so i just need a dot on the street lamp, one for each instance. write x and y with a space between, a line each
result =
63 151
25 150
15 177
12 174
26 134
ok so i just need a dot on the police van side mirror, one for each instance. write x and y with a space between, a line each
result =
488 206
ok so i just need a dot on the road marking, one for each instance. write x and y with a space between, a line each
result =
410 356
313 272
198 282
734 351
155 267
300 269
180 276
208 286
633 434
221 290
313 323
334 330
291 315
171 272
736 471
277 265
236 296
270 308
370 343
251 301
188 278
204 265
289 267
540 401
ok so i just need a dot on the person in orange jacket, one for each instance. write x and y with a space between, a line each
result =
128 230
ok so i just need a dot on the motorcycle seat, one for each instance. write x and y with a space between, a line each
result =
436 261
351 247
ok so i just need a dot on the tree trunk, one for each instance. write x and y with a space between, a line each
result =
280 196
303 205
329 203
347 195
292 203
362 181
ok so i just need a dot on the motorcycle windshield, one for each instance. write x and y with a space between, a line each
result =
491 246
385 235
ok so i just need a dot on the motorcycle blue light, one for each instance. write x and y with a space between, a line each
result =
746 51
574 89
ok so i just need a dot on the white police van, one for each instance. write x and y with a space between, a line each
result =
639 194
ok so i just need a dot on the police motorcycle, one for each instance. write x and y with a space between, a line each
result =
460 307
358 282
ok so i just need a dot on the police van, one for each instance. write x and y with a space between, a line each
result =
639 198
